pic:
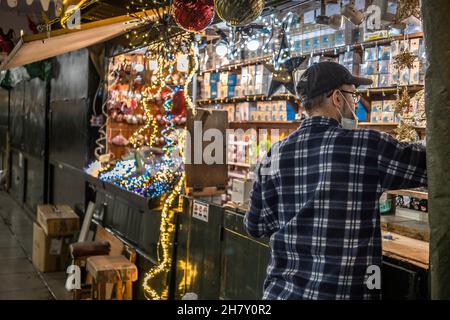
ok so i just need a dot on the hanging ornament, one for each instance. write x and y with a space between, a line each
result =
179 104
408 8
239 13
403 102
406 132
193 15
404 60
284 76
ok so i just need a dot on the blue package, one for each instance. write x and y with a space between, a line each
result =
316 43
232 79
214 78
213 90
231 91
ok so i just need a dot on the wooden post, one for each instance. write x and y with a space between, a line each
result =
436 23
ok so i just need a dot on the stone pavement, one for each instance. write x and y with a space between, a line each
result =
19 280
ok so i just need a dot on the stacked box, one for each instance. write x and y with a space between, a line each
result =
243 111
388 111
230 108
376 114
52 234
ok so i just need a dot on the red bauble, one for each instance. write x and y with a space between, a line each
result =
165 93
193 15
179 104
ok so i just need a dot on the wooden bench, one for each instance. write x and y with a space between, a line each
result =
104 245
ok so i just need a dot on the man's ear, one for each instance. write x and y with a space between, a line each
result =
336 98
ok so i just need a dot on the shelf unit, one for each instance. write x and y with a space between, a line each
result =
423 195
325 52
380 92
255 98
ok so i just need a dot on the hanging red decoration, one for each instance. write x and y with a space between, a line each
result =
179 104
193 15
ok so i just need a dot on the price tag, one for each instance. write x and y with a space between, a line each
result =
200 211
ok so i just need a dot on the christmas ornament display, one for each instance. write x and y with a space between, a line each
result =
193 15
239 13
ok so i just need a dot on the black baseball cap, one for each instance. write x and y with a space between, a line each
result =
325 76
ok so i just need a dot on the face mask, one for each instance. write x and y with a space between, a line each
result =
346 122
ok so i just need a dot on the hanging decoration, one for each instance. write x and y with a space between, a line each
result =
408 8
193 15
403 102
404 60
284 76
238 13
412 116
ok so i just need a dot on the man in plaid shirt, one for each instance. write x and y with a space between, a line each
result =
316 193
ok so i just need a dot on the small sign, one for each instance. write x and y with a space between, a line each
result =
55 247
200 211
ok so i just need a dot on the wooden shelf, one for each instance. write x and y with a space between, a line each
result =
406 249
239 164
378 124
265 122
410 193
326 52
256 98
237 175
382 91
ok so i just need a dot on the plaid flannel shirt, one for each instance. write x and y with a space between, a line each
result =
316 196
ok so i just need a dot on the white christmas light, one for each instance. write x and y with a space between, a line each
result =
253 45
221 49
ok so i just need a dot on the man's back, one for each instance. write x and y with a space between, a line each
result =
319 205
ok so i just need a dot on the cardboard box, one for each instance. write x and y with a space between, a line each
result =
384 53
370 54
414 46
384 80
59 220
404 77
415 73
50 254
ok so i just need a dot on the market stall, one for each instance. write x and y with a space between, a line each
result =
233 66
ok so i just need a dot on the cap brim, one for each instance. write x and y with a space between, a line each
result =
358 81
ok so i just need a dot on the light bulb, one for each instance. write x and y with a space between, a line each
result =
253 45
221 49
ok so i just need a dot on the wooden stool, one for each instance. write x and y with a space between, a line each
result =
112 269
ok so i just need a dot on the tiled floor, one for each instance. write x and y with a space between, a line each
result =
18 277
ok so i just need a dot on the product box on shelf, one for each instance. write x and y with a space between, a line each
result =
376 113
232 79
243 110
414 46
395 48
388 105
206 92
383 67
415 75
231 91
224 78
214 90
384 53
230 109
370 54
388 117
404 77
384 80
206 78
214 78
